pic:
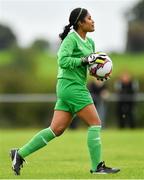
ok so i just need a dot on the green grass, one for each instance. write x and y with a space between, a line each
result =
67 157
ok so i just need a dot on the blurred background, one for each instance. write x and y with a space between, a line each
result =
29 42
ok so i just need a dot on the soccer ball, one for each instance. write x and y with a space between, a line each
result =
101 71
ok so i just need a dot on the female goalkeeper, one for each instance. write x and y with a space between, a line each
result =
75 53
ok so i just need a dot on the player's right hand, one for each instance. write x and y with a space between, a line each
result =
104 79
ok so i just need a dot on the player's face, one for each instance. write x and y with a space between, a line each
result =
88 24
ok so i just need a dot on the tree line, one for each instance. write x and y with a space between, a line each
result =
20 75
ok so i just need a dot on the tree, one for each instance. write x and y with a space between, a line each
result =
7 37
138 11
41 45
135 35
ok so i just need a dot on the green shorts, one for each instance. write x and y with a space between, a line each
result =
72 97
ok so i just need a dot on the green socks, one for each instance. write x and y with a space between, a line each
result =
43 137
94 145
38 141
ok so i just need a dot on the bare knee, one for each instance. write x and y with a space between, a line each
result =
60 121
58 130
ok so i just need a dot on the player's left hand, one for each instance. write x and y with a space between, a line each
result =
94 57
101 57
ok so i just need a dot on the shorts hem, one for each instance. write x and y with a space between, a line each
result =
83 107
63 110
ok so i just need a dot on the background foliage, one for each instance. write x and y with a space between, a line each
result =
34 70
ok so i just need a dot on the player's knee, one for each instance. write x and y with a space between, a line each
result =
59 130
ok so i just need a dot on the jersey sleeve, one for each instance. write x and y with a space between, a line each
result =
65 55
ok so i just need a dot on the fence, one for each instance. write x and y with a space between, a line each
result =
44 98
37 109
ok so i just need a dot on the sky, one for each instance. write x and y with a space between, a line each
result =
33 19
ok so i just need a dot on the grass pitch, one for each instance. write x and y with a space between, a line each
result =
67 156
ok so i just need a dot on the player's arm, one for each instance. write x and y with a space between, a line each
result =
65 55
67 61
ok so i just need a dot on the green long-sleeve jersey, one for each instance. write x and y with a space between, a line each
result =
72 49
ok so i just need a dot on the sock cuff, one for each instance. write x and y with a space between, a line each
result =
52 131
95 128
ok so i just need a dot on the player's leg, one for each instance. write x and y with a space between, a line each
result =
60 121
90 116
